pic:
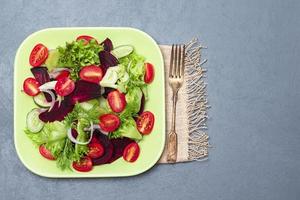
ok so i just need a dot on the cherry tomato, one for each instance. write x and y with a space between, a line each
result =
38 55
92 73
63 74
64 86
31 87
145 123
85 38
149 73
109 122
96 150
116 101
84 165
46 153
131 152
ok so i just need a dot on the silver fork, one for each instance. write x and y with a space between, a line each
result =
176 75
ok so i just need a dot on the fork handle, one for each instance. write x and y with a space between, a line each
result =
172 136
172 147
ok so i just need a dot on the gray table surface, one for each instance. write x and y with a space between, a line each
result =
253 87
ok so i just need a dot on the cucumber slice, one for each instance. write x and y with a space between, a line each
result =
33 122
122 51
41 101
88 105
52 60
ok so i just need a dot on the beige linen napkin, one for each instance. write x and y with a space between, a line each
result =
192 106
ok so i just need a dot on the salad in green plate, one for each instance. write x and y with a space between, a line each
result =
90 99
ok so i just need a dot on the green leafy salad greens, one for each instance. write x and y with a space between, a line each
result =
54 135
78 54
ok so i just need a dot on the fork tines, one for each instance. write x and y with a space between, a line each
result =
177 61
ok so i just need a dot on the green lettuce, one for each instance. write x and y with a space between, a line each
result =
133 99
83 136
77 54
135 68
127 129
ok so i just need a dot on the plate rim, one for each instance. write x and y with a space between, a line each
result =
78 174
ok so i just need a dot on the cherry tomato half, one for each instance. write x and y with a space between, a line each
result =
92 73
131 152
38 55
83 165
145 123
46 153
149 73
63 74
116 101
109 122
31 87
96 150
64 86
85 38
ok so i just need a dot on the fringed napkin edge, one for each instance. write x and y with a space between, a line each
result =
197 103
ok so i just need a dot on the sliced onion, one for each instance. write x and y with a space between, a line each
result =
59 99
70 136
52 98
41 110
55 72
96 126
48 86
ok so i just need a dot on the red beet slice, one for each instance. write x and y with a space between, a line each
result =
107 60
74 132
108 149
84 91
57 113
107 44
42 76
119 145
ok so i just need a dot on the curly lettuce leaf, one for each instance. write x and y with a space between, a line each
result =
77 54
79 112
135 67
133 99
127 129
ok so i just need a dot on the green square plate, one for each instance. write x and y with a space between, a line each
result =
151 146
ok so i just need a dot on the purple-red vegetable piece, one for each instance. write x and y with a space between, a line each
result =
107 44
84 91
119 145
107 60
42 76
108 148
57 113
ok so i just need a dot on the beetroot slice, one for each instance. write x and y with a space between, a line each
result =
107 44
119 146
107 60
84 91
57 113
42 76
108 149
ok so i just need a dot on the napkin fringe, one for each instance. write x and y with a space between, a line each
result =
197 103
